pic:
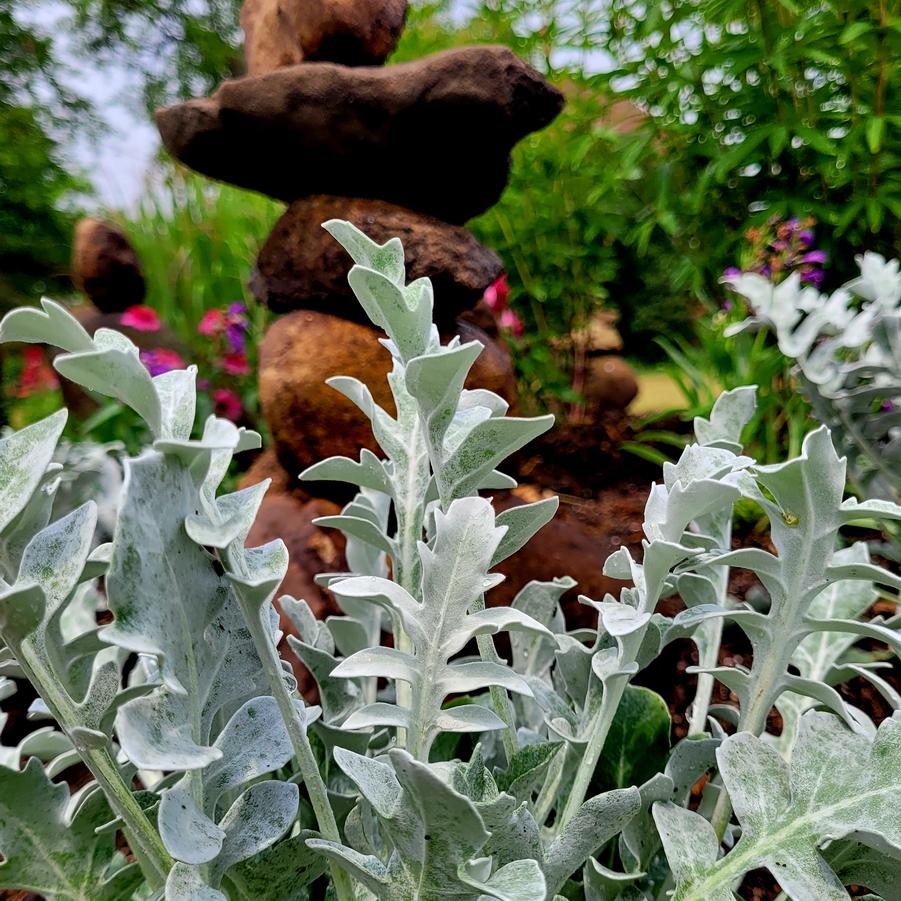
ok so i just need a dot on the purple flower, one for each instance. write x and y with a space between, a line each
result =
806 237
731 272
815 256
813 276
161 360
234 334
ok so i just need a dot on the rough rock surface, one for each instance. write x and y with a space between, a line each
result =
352 32
302 266
311 421
266 466
564 547
106 267
610 384
433 135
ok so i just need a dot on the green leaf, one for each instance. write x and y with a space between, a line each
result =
280 873
24 458
454 577
526 769
638 741
875 129
838 785
51 854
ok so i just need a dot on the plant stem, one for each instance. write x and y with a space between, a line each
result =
697 720
613 693
256 616
142 837
549 794
499 697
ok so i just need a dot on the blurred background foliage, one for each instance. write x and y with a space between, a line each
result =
687 123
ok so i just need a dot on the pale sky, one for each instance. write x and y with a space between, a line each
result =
117 161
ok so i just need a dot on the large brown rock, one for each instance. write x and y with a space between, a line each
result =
106 267
610 384
564 547
433 135
311 551
309 420
352 32
302 266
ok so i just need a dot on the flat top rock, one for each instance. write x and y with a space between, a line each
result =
433 135
302 266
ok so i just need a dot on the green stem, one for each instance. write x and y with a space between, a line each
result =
257 621
550 790
143 839
499 697
613 694
700 708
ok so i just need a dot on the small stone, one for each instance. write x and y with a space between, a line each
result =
610 384
106 267
309 420
302 266
351 32
432 135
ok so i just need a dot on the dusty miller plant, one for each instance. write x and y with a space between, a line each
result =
434 767
847 347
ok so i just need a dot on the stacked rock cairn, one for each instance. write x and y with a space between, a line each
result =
413 150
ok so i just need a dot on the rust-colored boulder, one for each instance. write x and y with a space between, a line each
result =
564 547
311 551
351 32
610 384
302 266
433 135
266 465
309 420
106 267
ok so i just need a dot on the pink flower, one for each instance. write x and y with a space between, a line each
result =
141 318
509 320
235 363
497 294
227 404
36 375
161 360
212 322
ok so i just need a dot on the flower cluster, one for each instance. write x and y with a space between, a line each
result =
497 297
229 326
780 248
